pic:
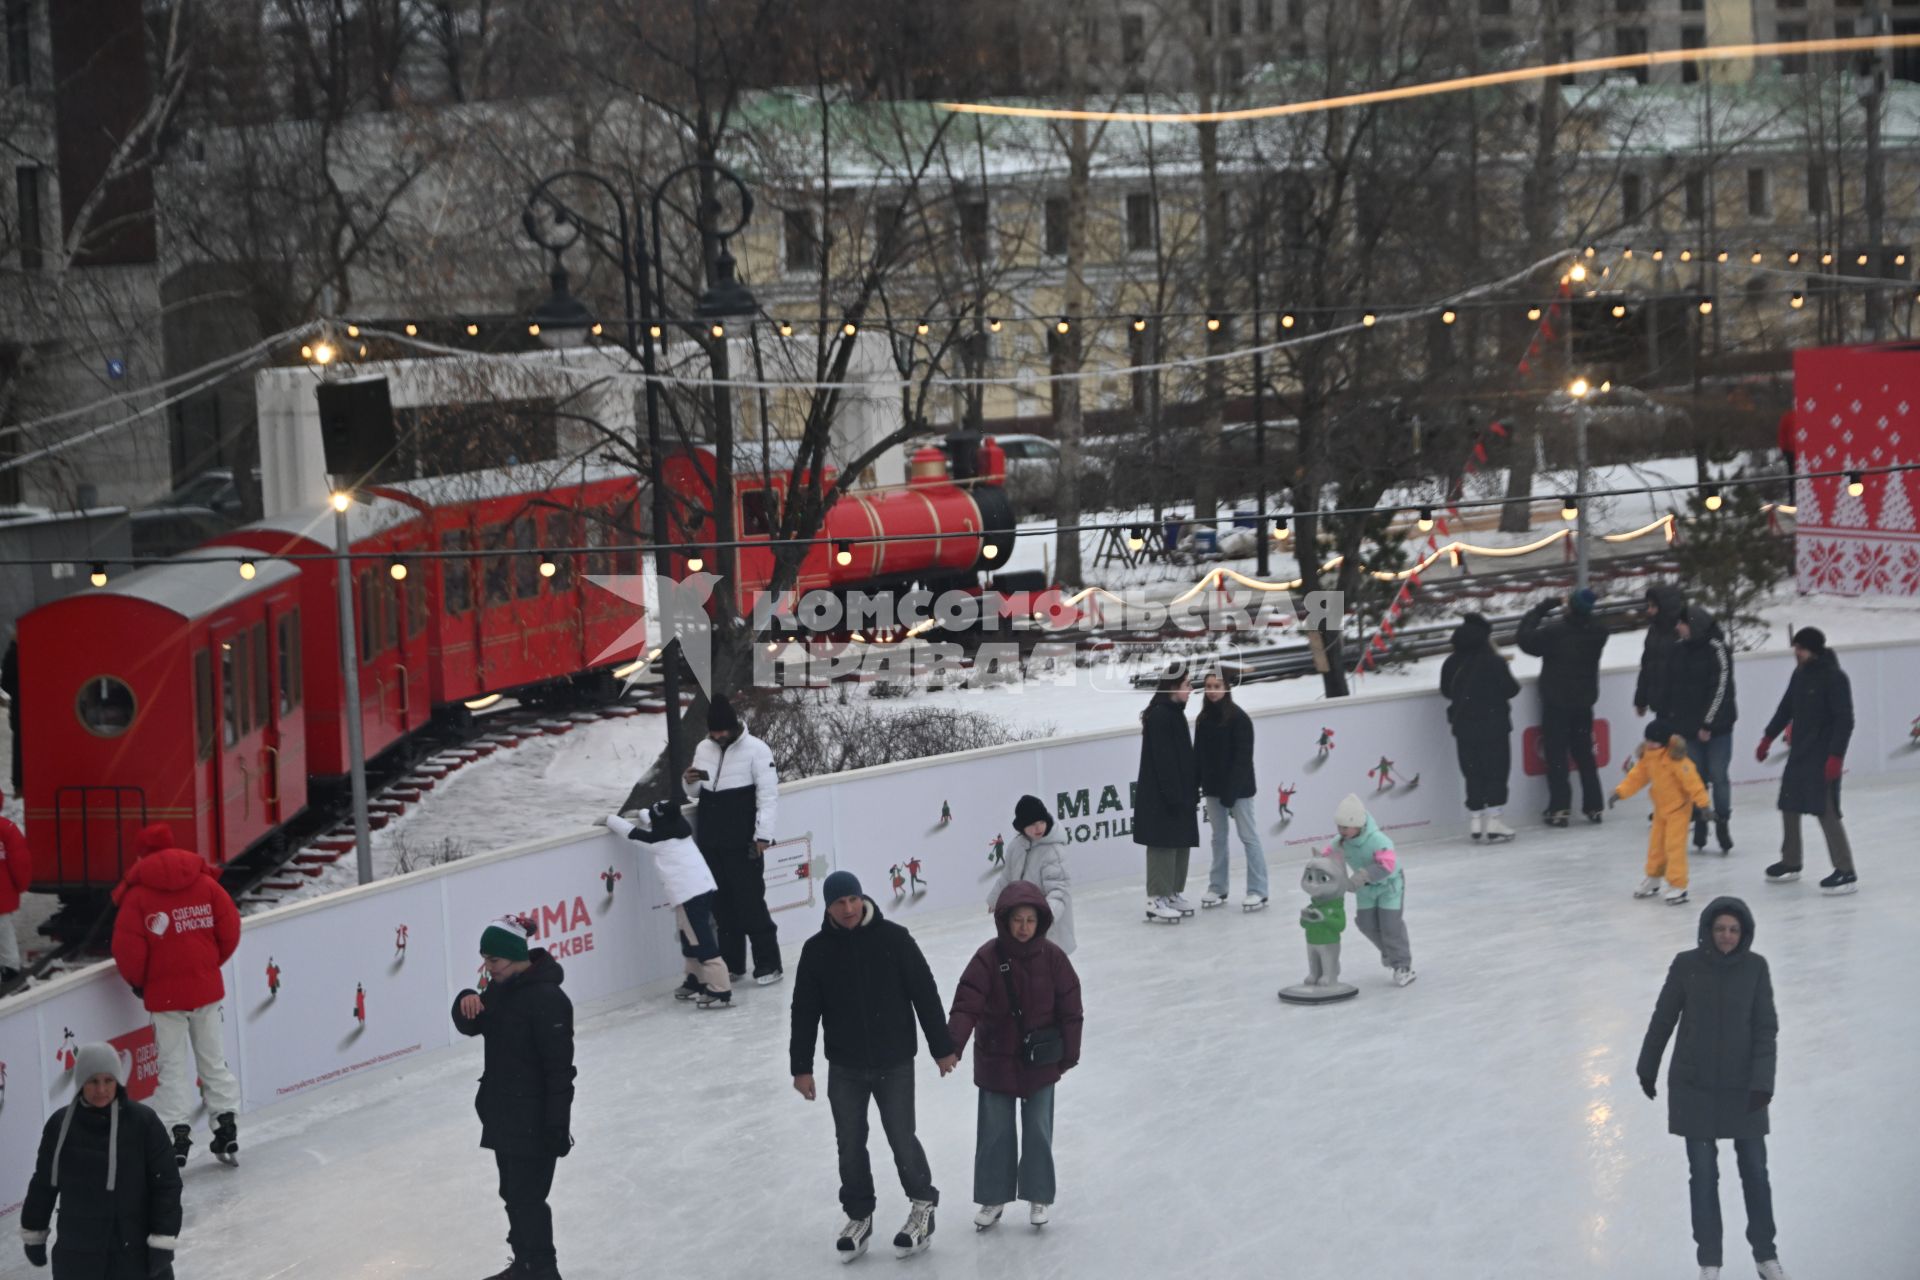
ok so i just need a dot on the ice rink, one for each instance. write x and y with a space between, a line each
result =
1484 1122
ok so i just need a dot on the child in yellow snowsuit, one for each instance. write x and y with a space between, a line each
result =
1677 791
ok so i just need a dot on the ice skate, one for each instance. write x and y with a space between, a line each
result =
1476 825
1253 902
1403 976
1772 1270
1648 887
1178 901
854 1238
689 989
1709 1273
917 1234
988 1215
1840 882
1213 899
1676 897
1498 831
1559 818
1595 816
711 999
1722 833
225 1143
1781 873
182 1143
1037 1214
514 1271
1160 911
1700 831
767 977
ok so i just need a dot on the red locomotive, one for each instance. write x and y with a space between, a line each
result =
209 694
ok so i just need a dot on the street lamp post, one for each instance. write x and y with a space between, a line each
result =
350 678
1579 389
564 317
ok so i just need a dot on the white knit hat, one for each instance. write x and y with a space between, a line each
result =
97 1060
1351 813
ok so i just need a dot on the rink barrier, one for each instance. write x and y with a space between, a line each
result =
322 990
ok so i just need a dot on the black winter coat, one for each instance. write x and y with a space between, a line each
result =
1700 680
1569 651
1819 705
1166 793
1223 753
1478 685
525 1098
1650 690
867 985
1728 1033
105 1235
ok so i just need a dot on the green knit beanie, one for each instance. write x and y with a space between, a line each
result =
503 943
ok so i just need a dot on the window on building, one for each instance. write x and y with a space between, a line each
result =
802 240
1696 197
1495 8
1203 14
975 233
1759 194
1233 66
1056 226
1633 196
1816 188
1628 42
1691 38
203 703
456 573
28 186
1296 13
1236 17
19 43
1630 6
1133 40
1791 64
1692 6
1263 16
1495 39
1139 222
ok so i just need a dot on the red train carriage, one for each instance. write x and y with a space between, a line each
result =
171 694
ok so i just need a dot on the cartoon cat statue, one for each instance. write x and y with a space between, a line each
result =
1324 918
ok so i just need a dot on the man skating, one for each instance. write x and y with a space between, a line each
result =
1818 707
1569 650
865 979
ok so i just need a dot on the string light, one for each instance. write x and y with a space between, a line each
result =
1280 531
473 331
397 569
353 331
1578 388
1797 301
1591 251
1757 258
718 330
1426 519
1794 257
1860 261
1686 255
1659 255
993 324
1720 256
1619 311
1136 539
1711 497
1569 508
1062 325
247 571
990 551
848 329
323 353
1627 253
1826 259
695 561
1286 321
653 331
923 328
1533 313
786 328
306 352
596 329
1369 319
533 331
413 330
1139 324
1855 485
547 567
1213 324
99 575
1578 271
1706 306
844 555
1448 316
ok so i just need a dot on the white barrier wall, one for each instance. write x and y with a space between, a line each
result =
324 991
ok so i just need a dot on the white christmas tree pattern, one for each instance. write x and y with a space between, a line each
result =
1849 512
1896 508
1807 505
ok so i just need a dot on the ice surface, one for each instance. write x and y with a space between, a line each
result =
1484 1122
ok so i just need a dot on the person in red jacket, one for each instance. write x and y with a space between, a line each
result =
16 874
176 927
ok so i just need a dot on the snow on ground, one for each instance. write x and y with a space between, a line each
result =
1484 1122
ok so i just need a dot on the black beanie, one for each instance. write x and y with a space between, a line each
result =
1028 810
721 717
665 821
1810 638
1658 730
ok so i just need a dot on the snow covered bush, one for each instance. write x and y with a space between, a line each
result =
809 738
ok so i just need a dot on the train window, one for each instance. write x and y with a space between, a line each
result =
242 685
298 680
388 592
596 531
756 519
526 566
456 573
563 530
499 573
625 561
363 613
105 706
283 638
229 709
416 594
203 703
262 676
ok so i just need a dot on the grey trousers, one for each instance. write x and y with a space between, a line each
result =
1166 871
1830 826
1009 1166
1386 929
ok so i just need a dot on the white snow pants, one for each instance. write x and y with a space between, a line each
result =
9 943
186 1041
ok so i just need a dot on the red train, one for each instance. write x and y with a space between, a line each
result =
211 698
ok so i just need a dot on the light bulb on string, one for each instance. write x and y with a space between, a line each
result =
1139 324
844 555
849 329
993 324
717 329
1686 255
653 331
923 328
1627 252
1426 519
1577 273
1706 306
1659 255
990 551
533 331
413 330
1286 321
786 328
1449 316
1533 314
695 561
1860 261
1794 256
247 570
353 331
1757 258
306 351
1826 259
1569 508
323 353
1797 301
1280 531
1710 497
1135 538
1062 325
1591 251
547 566
1720 255
473 331
1856 485
1369 319
99 575
1213 324
597 329
1578 388
397 569
1619 311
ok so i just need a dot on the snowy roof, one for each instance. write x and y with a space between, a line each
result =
198 582
531 477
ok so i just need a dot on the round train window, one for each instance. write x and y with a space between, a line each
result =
105 705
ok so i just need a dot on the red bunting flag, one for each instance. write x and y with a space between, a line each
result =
1497 429
1479 451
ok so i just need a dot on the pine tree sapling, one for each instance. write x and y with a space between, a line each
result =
1731 560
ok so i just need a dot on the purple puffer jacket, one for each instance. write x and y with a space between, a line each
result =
1049 997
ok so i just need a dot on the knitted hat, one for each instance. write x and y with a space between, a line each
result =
1810 638
665 822
841 884
1658 730
156 837
96 1060
1028 810
1583 600
721 717
1350 813
503 943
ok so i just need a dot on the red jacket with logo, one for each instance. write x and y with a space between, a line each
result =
16 867
176 927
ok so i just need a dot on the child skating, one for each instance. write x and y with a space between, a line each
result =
1662 763
1379 886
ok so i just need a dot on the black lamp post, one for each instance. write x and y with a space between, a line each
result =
567 318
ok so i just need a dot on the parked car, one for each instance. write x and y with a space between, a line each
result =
215 489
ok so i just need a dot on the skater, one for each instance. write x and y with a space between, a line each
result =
1479 690
16 877
105 1159
738 792
1223 756
1379 886
1678 793
689 886
1700 690
863 977
1569 651
175 929
1039 857
1166 795
1720 1083
525 1099
1021 994
1665 606
1818 705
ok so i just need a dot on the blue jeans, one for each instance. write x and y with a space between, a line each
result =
1243 820
1703 1189
1712 759
1009 1167
849 1090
